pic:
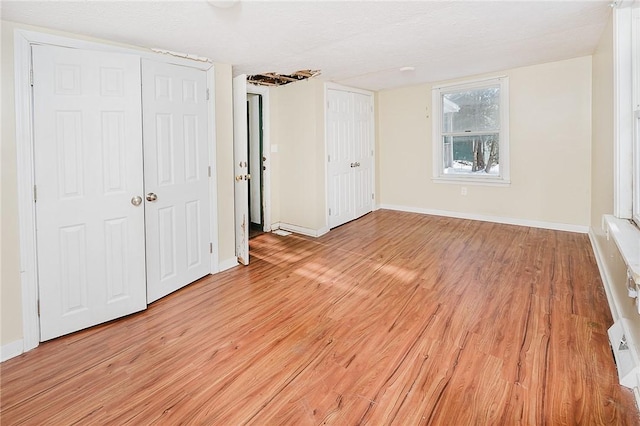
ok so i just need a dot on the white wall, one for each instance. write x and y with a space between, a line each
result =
10 286
550 144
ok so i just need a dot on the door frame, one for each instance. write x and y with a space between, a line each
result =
334 86
266 150
23 39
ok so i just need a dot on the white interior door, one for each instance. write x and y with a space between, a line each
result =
340 157
240 168
88 173
176 176
350 155
362 153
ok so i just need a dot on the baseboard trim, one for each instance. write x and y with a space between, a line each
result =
486 218
227 264
300 229
604 275
11 350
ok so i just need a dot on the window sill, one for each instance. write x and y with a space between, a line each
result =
471 181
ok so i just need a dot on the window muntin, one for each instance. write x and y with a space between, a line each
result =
470 135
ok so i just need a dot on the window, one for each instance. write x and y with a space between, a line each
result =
470 132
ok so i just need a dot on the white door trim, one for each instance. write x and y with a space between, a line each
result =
213 181
266 150
26 207
336 86
23 39
240 169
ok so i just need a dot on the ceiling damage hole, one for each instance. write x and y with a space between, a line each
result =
274 79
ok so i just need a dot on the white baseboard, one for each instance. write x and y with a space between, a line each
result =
627 360
11 350
604 275
485 218
300 229
227 264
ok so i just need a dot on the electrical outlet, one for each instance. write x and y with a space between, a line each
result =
463 190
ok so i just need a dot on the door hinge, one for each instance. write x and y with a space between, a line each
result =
31 77
35 194
211 248
207 94
209 171
38 307
329 211
328 158
373 197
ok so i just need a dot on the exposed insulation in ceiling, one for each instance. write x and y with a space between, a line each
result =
274 79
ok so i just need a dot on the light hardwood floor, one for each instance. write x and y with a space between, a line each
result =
395 318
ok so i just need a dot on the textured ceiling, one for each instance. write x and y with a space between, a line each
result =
356 43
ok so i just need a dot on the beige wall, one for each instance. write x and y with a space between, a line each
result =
224 162
274 155
550 143
10 290
10 287
298 131
602 143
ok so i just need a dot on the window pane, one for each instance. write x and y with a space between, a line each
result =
474 110
478 154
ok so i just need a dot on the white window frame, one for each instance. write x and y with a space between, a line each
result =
438 163
633 20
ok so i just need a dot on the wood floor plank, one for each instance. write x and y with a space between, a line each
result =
395 318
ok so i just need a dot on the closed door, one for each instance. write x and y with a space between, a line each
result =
88 174
362 146
176 176
350 153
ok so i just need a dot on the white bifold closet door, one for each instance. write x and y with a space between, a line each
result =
88 172
350 155
176 176
110 238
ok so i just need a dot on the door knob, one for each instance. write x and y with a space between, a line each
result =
136 201
151 197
